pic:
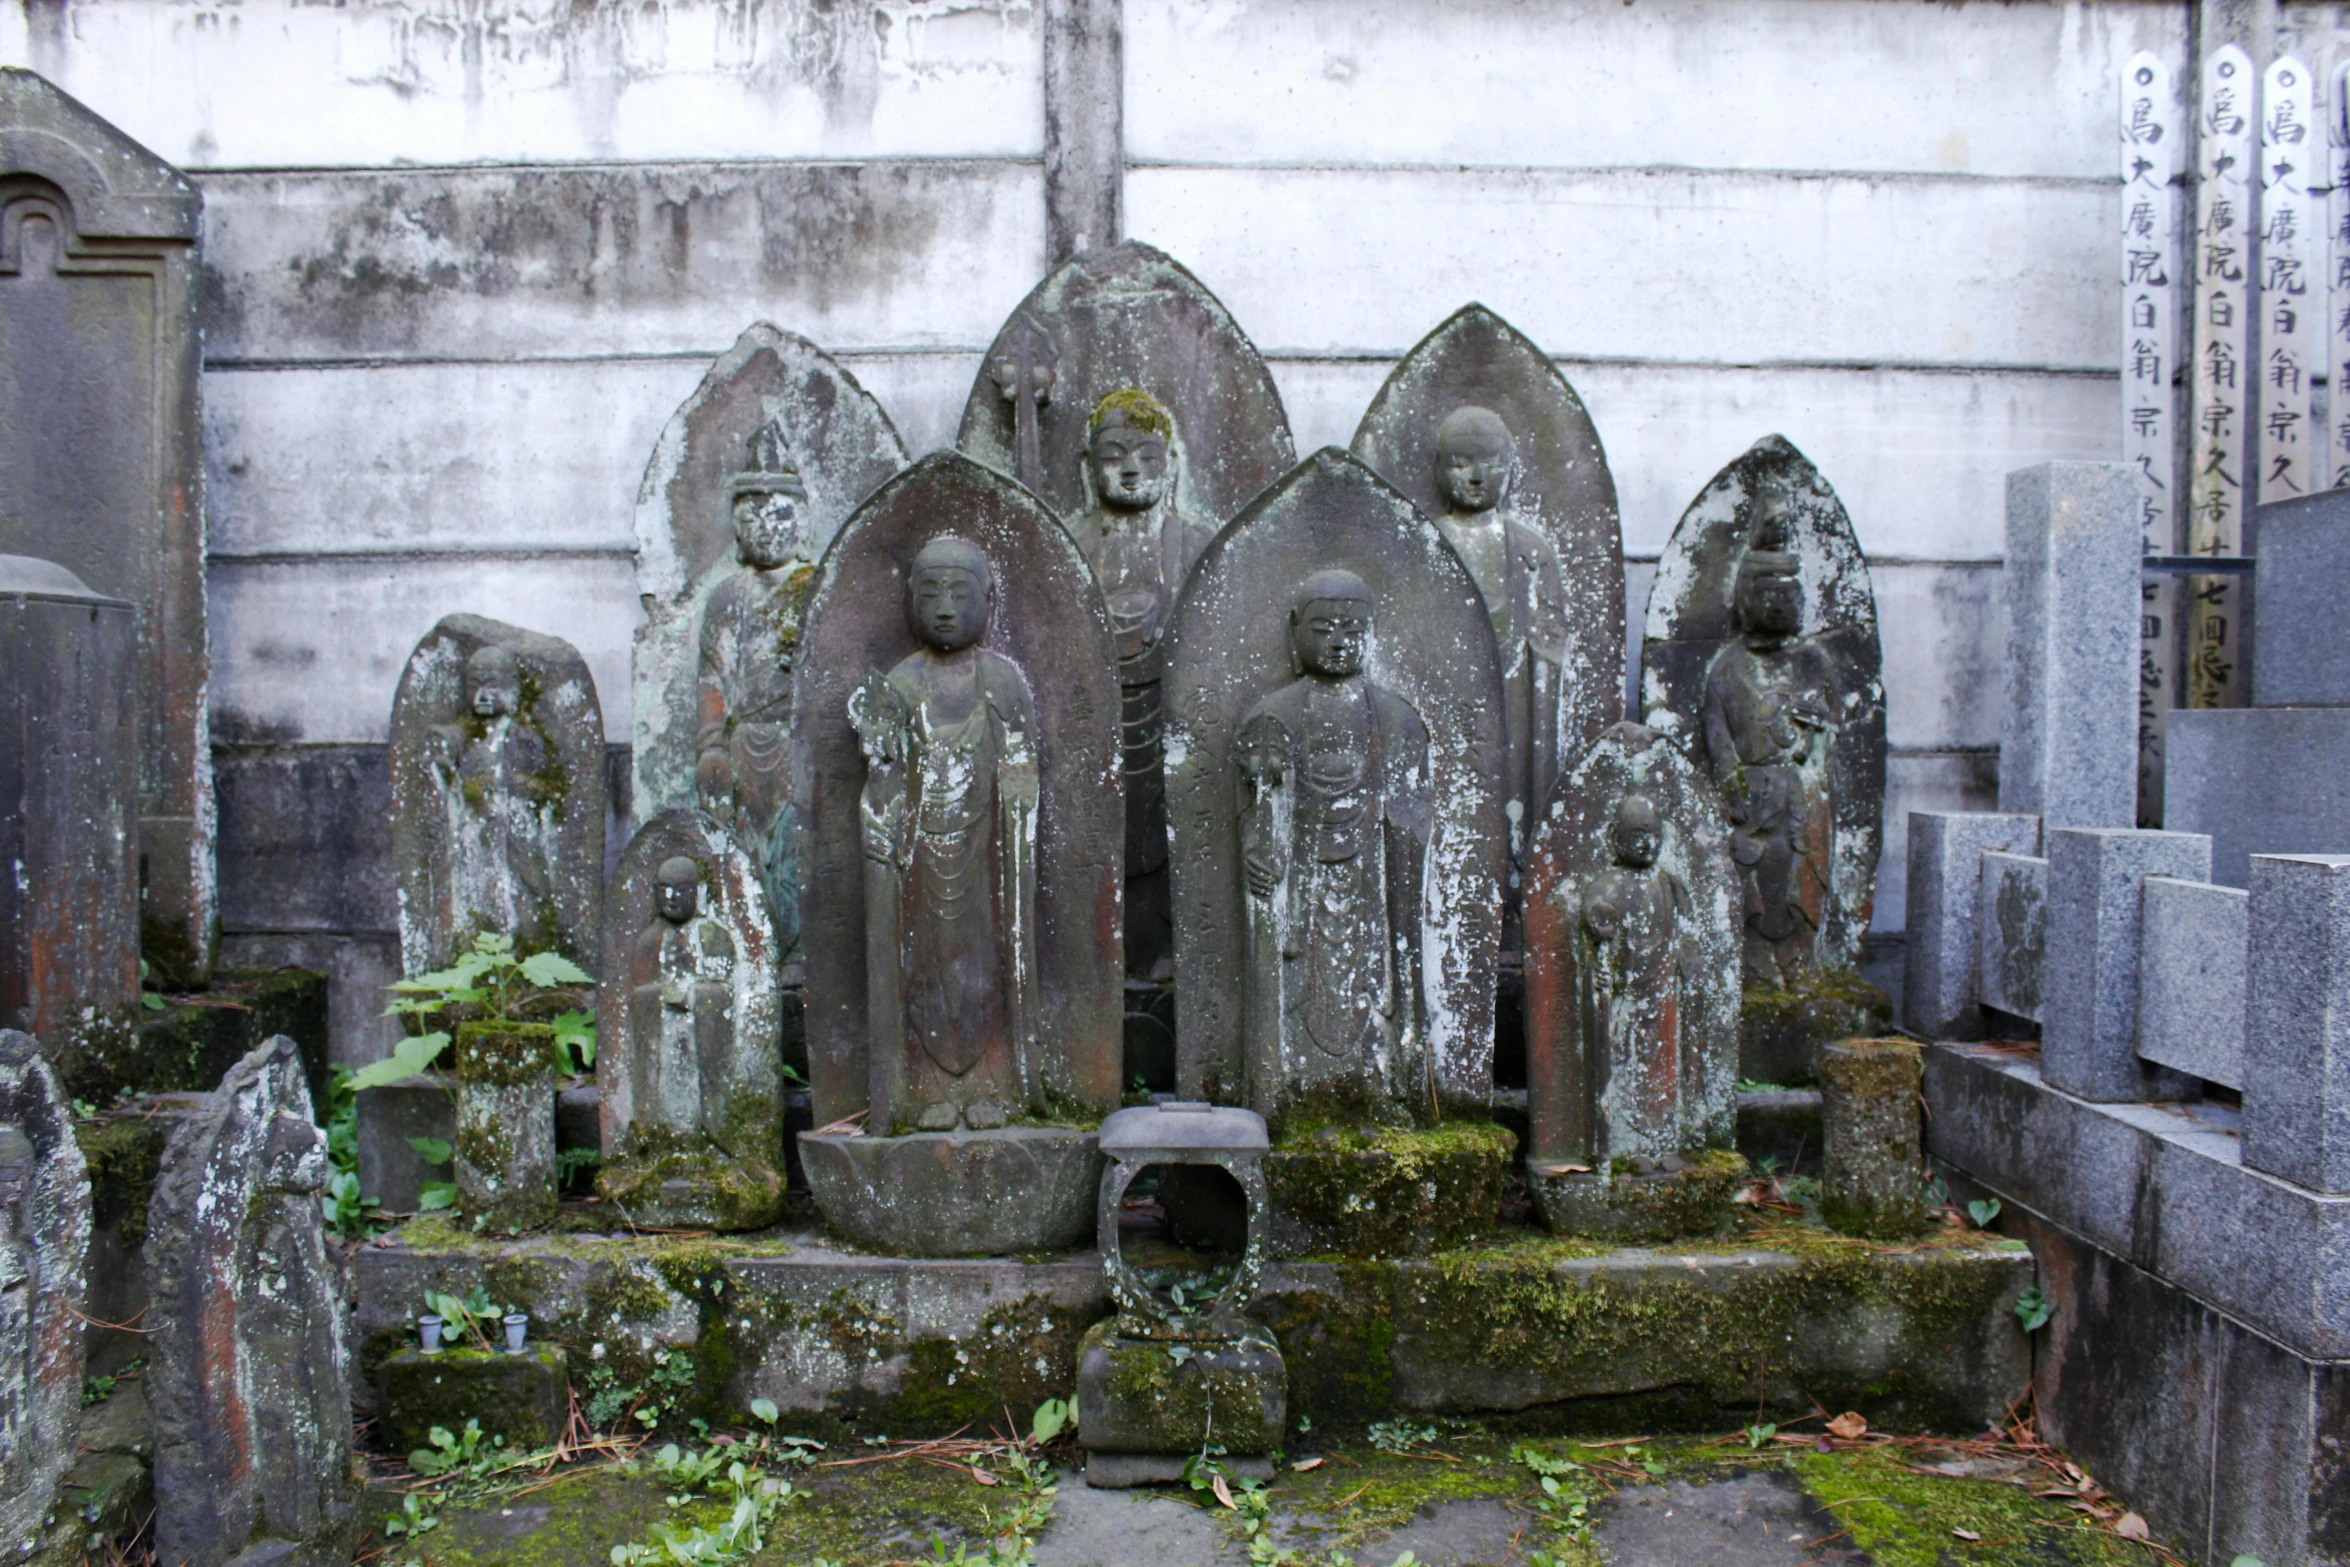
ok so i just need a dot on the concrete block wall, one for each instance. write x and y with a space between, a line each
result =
464 258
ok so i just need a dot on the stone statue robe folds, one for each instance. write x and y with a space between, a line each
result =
681 1018
1516 568
1630 962
1769 718
750 634
500 819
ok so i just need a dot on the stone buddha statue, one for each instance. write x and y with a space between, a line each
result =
1771 701
1141 545
1333 831
750 635
1632 957
493 769
1516 569
680 1004
949 832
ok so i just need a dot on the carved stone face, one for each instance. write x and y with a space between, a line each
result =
766 528
1329 635
677 891
949 606
493 683
1129 465
1636 834
1474 457
1770 602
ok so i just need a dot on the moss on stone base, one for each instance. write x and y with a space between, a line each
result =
1628 1206
1780 1032
523 1398
189 1045
1386 1191
1148 1396
664 1186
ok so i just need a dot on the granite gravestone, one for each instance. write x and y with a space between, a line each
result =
688 1065
1122 392
498 795
1761 657
752 477
44 1241
1478 427
69 913
959 757
253 1458
100 451
1632 987
1334 751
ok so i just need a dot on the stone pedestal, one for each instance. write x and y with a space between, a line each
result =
1147 1405
957 1194
1386 1192
1940 997
506 1124
1873 1180
2096 898
1781 1030
390 1170
2296 1066
2258 780
1647 1201
523 1398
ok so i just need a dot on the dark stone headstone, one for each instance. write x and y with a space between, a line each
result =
246 1372
1352 963
100 453
751 479
44 1241
689 1068
1761 658
1632 983
497 794
69 907
960 907
1534 521
1123 393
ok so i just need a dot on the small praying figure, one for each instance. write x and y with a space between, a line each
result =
1633 958
949 830
680 1006
492 769
1516 568
1333 833
749 640
1770 710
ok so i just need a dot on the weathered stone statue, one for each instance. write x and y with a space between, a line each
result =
1761 657
817 444
961 842
750 636
1632 995
1333 844
689 1072
497 794
1338 835
253 1456
949 820
1477 425
44 1241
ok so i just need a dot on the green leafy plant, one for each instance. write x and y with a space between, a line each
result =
1757 1435
489 981
2033 1309
1400 1436
468 1451
350 1213
755 1495
471 1315
1565 1503
148 998
1983 1210
416 1517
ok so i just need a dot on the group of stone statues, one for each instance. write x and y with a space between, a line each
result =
954 754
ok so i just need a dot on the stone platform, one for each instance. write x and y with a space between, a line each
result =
1548 1334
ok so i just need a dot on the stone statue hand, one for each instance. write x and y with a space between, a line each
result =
714 781
1262 866
1604 918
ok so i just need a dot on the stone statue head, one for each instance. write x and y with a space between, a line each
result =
768 495
1128 442
1637 832
677 889
1475 457
950 594
1770 584
493 682
1330 623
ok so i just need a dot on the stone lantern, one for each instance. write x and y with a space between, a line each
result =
1180 1369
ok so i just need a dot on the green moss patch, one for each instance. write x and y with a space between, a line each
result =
1386 1191
1906 1519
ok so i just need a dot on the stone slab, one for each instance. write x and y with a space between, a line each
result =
957 1194
2011 933
2163 1187
2068 748
2258 780
1139 1399
523 1398
2191 968
2296 1037
2300 579
1940 996
390 1171
2089 1016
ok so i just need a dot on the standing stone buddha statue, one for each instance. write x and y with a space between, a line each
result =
1632 953
750 636
1332 837
1770 720
493 775
680 1005
949 833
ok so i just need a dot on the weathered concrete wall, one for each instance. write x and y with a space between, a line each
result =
463 260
